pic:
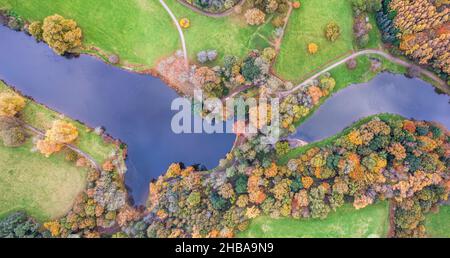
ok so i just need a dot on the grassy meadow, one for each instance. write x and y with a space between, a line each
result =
438 224
307 25
43 187
141 31
372 221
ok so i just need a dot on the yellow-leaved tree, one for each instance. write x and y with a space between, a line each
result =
62 132
61 34
11 104
313 48
59 134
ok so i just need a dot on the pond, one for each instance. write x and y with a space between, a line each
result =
387 93
133 108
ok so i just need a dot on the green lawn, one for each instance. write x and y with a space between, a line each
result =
438 225
346 222
43 187
140 31
307 25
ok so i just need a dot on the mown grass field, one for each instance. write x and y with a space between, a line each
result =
372 221
438 225
141 31
307 25
44 187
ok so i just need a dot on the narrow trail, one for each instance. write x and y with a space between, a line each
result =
361 53
180 31
70 146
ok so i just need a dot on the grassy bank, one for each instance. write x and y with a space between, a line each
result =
41 117
371 221
141 31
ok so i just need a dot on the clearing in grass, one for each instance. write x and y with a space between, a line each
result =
371 221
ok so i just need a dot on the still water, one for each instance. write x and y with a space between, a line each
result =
387 93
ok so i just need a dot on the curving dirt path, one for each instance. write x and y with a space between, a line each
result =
70 146
209 14
180 31
361 53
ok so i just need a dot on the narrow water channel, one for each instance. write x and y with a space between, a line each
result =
387 93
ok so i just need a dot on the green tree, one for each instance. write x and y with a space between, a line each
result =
241 184
19 225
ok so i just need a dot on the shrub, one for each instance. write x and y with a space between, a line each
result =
13 137
35 30
278 21
15 23
212 55
332 31
352 64
269 54
11 104
255 16
185 23
313 48
202 57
